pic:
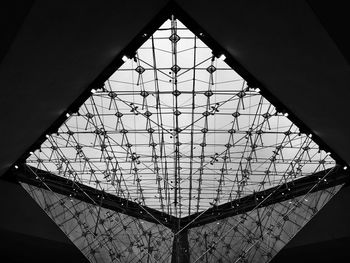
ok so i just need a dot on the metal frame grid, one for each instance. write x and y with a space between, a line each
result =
258 235
104 235
111 235
174 137
177 130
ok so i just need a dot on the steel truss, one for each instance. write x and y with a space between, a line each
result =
280 201
198 132
176 157
313 183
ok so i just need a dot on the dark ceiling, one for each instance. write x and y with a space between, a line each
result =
52 50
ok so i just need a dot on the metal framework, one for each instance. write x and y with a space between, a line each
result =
107 231
177 117
176 158
315 182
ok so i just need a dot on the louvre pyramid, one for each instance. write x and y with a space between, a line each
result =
177 134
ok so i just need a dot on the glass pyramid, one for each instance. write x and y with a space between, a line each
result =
177 130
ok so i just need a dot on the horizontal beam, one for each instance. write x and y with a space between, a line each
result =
312 183
67 187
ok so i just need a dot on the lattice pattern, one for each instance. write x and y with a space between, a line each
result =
104 235
256 236
178 130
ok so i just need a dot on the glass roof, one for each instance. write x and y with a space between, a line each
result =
176 129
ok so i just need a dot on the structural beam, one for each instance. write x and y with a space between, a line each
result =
88 194
181 252
315 182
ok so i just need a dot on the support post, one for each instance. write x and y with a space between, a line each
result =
181 253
